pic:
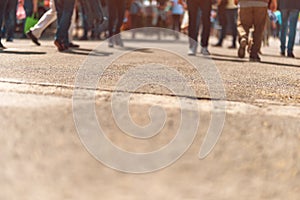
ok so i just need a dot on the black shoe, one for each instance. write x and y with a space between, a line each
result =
33 38
83 38
60 45
10 39
217 45
282 53
1 46
72 45
290 55
232 47
254 58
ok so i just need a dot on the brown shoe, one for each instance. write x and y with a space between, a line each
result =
242 48
60 46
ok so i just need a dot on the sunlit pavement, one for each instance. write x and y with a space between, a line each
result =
42 157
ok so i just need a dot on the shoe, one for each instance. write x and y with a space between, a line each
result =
60 46
119 41
110 42
254 58
33 38
1 46
217 45
282 53
83 38
192 50
10 39
204 51
290 55
242 48
232 47
72 45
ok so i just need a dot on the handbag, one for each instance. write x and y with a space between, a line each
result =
30 22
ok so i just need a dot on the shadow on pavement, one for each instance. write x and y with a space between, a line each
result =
236 59
86 52
22 52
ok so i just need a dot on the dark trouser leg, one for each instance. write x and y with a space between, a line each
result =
245 22
223 23
205 8
112 17
120 15
64 14
260 16
3 4
10 21
231 15
193 7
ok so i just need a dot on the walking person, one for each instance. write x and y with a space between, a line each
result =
177 12
3 4
193 9
229 23
252 13
48 18
10 20
289 13
116 12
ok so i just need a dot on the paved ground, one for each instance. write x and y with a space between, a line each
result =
257 156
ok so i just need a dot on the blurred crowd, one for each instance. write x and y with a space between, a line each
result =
250 23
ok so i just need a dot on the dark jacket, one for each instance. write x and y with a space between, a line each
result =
288 4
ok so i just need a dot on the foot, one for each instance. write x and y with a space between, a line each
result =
119 41
83 38
1 46
33 38
204 51
60 45
217 45
232 47
10 39
242 48
72 45
254 58
110 42
282 53
192 50
290 55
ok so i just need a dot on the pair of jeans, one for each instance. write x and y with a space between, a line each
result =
10 18
288 17
193 9
116 12
64 9
3 4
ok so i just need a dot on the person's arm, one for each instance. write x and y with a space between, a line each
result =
273 5
35 6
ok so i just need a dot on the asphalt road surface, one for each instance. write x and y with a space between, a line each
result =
42 156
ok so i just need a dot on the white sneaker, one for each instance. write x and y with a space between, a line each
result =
204 51
192 51
110 42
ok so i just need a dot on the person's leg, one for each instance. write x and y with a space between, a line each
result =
193 7
223 23
260 17
66 20
293 20
244 23
112 17
48 18
283 30
120 15
3 4
206 9
28 6
231 15
11 19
